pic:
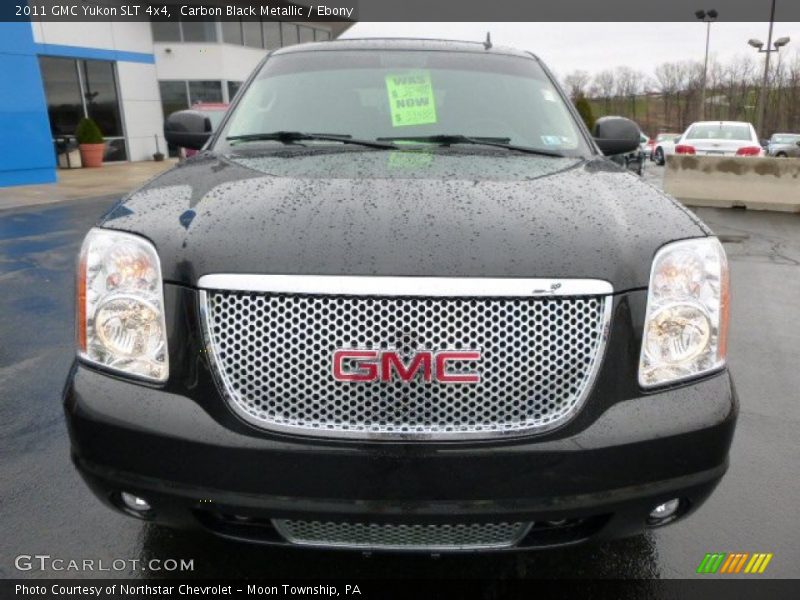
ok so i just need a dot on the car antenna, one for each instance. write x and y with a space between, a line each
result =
488 43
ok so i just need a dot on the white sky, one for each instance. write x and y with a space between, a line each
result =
593 47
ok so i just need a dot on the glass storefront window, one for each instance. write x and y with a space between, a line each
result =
199 31
84 88
205 91
100 92
289 34
266 34
306 34
252 34
63 92
232 32
166 31
233 87
272 34
173 96
115 150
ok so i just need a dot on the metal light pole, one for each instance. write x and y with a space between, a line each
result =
759 45
706 17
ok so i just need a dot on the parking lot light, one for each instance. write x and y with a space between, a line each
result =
706 17
759 45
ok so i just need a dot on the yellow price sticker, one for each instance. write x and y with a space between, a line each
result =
411 99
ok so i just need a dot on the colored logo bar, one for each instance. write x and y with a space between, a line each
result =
735 562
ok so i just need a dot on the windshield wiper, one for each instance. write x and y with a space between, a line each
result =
290 137
497 142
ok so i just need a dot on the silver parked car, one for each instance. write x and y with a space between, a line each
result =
784 145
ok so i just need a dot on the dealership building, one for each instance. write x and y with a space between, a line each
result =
126 76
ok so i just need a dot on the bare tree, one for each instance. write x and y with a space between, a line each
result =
576 83
669 81
670 101
604 82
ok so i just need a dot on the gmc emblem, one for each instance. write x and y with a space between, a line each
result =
386 365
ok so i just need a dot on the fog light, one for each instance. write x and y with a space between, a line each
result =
135 503
666 510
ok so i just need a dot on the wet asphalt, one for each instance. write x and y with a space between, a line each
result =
46 509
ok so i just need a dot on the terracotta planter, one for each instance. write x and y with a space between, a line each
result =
92 154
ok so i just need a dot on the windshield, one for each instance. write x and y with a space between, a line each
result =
716 131
399 94
215 116
666 136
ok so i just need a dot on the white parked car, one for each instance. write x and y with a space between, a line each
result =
720 138
645 144
664 146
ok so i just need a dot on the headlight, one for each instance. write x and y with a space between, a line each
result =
686 325
120 305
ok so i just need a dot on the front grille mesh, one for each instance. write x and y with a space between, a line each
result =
272 354
414 536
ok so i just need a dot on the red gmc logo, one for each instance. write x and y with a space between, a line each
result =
385 365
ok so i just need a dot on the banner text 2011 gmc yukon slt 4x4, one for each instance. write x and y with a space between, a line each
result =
402 301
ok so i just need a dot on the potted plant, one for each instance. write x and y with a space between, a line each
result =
90 141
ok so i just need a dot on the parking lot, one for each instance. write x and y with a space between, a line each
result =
47 509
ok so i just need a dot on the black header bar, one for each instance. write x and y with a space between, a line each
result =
396 10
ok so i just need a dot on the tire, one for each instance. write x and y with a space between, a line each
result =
782 155
659 157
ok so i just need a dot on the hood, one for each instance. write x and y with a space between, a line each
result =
403 213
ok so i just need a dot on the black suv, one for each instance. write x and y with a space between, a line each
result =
401 300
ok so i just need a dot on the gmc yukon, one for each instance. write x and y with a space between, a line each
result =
401 300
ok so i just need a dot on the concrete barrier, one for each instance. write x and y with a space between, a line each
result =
727 182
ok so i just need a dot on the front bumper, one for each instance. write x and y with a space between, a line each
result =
603 479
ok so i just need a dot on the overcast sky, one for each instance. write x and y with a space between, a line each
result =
597 46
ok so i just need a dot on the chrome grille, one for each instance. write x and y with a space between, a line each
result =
459 536
272 354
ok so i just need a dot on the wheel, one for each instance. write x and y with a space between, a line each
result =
782 155
659 156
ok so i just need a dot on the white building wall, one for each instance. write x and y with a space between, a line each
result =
141 109
190 61
124 36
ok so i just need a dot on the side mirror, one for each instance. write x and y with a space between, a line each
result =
187 129
616 135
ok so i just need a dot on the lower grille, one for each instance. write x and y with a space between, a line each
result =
458 536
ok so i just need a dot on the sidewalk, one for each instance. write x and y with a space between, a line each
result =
109 180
